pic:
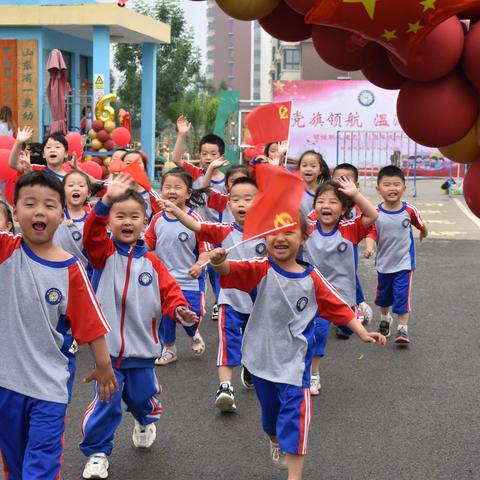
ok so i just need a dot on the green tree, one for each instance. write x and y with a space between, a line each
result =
178 65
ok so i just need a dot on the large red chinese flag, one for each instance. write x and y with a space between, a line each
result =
269 123
277 204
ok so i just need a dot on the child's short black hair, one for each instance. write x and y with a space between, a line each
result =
42 179
87 179
244 181
58 137
8 214
36 150
134 195
197 195
214 140
390 171
349 167
333 186
239 167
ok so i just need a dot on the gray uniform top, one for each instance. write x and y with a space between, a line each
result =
307 203
335 254
394 236
178 248
46 305
227 236
275 343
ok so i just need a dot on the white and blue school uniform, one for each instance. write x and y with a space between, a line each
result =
46 306
278 341
179 248
135 290
46 169
307 203
395 258
234 306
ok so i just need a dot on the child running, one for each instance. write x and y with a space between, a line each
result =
235 306
278 340
314 170
332 248
47 303
54 148
135 290
181 250
395 259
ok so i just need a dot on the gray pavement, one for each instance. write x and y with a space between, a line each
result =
384 413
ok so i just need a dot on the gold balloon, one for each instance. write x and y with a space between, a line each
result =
109 126
96 144
107 161
466 150
103 111
248 9
92 133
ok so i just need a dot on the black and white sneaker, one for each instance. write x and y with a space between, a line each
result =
384 328
214 316
225 399
402 336
246 378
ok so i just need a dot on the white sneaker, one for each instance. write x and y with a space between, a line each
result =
96 467
169 355
315 386
143 436
198 345
367 313
279 458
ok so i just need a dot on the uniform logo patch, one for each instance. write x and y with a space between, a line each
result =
183 236
53 296
302 303
76 235
261 248
406 222
342 247
145 279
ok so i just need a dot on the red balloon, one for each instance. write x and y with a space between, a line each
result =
286 24
109 144
6 173
97 160
438 112
97 125
75 143
437 54
92 168
105 172
67 168
121 136
382 74
344 50
471 191
471 55
7 142
103 135
301 6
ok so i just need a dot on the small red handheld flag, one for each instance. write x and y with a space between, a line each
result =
276 207
269 123
137 173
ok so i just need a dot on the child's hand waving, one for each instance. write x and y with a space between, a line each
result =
116 188
347 187
24 134
183 125
218 163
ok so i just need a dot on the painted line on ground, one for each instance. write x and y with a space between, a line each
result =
467 212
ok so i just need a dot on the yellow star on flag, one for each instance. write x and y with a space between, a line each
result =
279 85
414 27
428 4
368 4
389 35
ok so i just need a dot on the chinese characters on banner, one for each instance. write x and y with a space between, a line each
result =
8 75
27 90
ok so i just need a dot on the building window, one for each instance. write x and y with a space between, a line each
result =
291 59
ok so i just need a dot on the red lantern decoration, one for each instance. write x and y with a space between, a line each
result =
75 143
471 191
286 24
437 54
439 112
121 136
382 74
7 142
399 26
344 50
92 168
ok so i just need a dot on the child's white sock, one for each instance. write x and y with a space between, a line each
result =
403 327
386 318
227 382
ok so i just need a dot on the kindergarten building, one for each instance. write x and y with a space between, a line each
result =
84 32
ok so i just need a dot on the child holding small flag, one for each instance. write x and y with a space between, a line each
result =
286 294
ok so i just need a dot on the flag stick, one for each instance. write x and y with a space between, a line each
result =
259 235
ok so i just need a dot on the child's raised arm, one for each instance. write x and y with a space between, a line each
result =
214 165
183 127
23 135
185 219
369 211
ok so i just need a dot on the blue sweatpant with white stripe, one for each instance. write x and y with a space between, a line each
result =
139 388
31 436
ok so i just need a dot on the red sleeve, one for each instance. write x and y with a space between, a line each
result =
83 310
245 275
203 245
218 201
38 168
331 305
8 244
415 217
214 232
154 204
98 245
194 171
354 230
150 235
171 295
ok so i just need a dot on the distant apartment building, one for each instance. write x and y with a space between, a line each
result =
238 54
